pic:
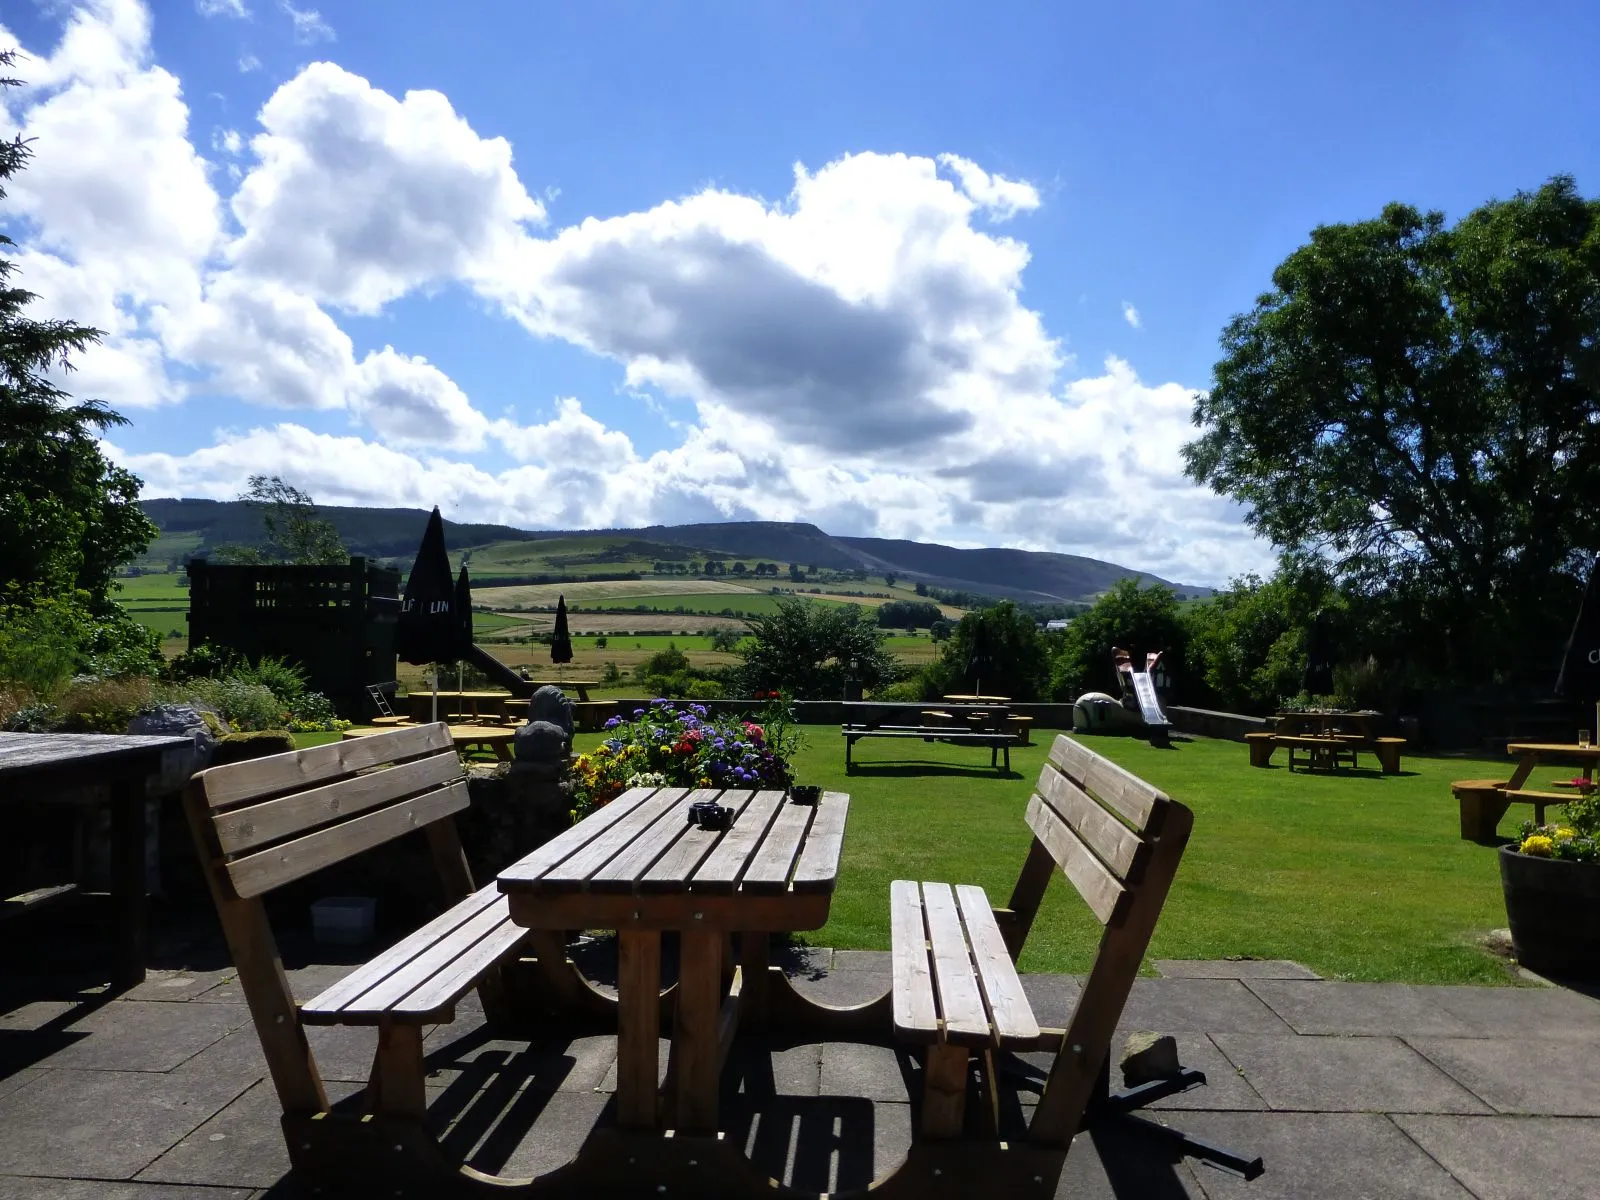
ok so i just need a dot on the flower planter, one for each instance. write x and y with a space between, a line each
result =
1553 908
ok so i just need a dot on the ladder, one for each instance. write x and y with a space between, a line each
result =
376 692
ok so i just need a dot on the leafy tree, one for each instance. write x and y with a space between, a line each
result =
941 629
922 588
1138 619
68 518
908 614
810 649
1418 407
1018 658
726 638
1247 644
888 578
291 531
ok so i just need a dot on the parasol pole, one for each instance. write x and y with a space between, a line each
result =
435 674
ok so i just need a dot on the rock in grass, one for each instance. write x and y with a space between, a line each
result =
1147 1057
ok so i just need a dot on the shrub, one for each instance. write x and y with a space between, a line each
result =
41 640
612 674
907 691
312 712
703 689
204 661
244 705
103 705
283 679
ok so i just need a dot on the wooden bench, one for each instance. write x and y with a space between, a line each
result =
1261 747
999 743
1387 750
956 992
264 823
1023 728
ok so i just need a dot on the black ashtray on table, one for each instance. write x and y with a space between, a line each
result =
805 793
708 814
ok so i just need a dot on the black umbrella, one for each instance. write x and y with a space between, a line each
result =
980 661
1580 668
561 638
429 630
1320 653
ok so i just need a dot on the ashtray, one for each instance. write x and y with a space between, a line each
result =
708 814
805 793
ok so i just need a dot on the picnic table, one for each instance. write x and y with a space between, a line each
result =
639 867
953 699
582 686
1484 802
68 767
466 702
495 738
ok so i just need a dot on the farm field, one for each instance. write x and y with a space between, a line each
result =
630 590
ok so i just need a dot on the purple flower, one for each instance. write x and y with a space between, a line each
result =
613 722
698 710
638 712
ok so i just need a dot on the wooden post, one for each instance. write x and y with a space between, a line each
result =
694 1033
127 875
944 1090
755 956
638 1026
396 1086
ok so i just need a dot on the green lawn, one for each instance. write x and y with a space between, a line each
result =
1357 876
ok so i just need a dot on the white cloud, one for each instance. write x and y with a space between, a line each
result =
358 197
248 63
222 8
857 354
309 27
1000 197
1130 314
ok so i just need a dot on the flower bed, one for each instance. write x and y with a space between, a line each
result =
683 745
1575 838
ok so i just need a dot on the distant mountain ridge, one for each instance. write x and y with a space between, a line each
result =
193 527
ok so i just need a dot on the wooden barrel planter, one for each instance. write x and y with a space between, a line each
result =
1553 908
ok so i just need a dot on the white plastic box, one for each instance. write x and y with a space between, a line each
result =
343 920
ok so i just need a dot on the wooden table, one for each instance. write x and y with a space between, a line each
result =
638 867
977 699
470 703
581 685
74 766
1324 724
498 738
1534 754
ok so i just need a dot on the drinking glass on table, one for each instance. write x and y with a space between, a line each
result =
1583 739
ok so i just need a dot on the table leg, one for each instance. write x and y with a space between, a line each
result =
755 955
127 878
1524 769
694 1033
638 1026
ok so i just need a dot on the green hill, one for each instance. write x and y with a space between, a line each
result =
500 553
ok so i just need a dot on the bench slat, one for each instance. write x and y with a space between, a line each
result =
402 952
720 872
570 841
379 991
258 777
623 872
1098 886
1117 845
774 857
915 1014
955 981
675 866
1009 1010
1131 796
267 869
257 824
441 991
573 874
818 867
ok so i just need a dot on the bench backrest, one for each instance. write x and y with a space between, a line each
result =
263 823
1118 840
275 819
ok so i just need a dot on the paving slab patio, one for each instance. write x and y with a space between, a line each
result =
1346 1090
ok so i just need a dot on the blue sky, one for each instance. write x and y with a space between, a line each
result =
940 271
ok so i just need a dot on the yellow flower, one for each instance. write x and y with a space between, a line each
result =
664 748
1565 833
1538 845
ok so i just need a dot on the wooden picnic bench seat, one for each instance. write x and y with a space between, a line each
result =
999 743
956 992
264 823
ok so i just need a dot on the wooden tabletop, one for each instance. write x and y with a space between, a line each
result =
1574 750
563 683
23 753
428 695
641 848
979 699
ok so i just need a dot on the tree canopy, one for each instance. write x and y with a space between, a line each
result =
68 517
291 531
809 649
1138 619
1016 654
1416 408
